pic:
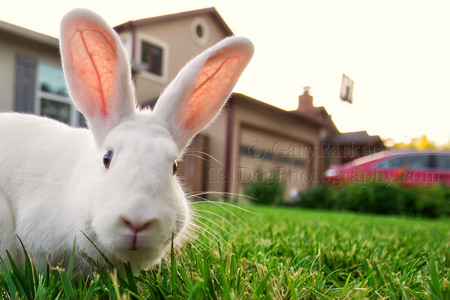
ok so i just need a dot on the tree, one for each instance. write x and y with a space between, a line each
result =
422 142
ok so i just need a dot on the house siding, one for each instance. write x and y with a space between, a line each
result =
278 134
14 49
25 87
7 64
289 143
181 48
217 135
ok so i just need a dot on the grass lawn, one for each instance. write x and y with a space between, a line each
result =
274 253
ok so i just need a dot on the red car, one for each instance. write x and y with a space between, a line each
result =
407 167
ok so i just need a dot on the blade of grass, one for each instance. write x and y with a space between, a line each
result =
262 284
120 278
17 277
346 287
433 283
174 272
70 267
108 262
67 287
292 289
132 287
9 280
29 279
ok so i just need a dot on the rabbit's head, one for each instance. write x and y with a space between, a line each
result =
128 199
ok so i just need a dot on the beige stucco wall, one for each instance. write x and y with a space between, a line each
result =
181 47
7 69
10 47
275 133
274 156
217 133
271 132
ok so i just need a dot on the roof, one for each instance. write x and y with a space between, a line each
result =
286 113
356 137
318 113
52 41
28 34
153 20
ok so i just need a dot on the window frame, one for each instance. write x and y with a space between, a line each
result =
200 40
141 37
128 39
74 119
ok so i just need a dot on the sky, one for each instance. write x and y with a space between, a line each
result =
396 52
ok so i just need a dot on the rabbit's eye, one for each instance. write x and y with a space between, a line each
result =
175 167
107 159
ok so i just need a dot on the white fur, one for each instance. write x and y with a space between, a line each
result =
53 184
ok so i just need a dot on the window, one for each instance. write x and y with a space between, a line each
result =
127 42
200 31
406 162
442 162
152 58
52 98
263 154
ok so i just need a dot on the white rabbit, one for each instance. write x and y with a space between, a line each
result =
115 182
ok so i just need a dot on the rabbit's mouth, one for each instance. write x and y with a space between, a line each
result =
141 254
136 242
142 242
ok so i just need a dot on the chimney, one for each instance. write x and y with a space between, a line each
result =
305 101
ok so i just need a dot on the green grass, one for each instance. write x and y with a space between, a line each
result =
272 253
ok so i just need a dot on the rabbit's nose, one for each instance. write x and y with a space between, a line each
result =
137 227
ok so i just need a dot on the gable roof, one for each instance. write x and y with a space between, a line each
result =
356 137
278 111
28 34
153 20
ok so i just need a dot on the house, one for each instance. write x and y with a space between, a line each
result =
32 77
250 138
253 139
337 147
347 146
224 157
158 47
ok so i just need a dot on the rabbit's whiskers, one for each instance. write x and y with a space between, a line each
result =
211 224
201 154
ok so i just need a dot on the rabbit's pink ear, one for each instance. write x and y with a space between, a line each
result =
199 91
97 71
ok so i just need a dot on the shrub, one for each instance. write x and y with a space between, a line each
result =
431 201
375 197
265 190
381 198
321 197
